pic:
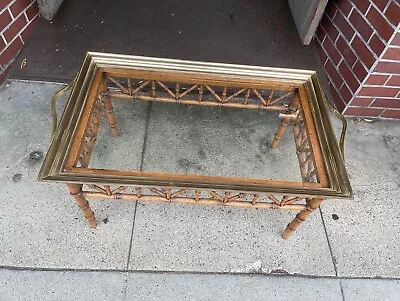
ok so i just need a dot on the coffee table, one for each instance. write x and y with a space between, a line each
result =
292 95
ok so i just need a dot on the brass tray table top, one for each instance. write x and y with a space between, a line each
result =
294 95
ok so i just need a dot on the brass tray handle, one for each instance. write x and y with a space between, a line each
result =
342 119
54 121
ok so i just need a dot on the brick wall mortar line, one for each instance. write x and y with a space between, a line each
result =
377 58
340 34
388 4
323 40
368 9
372 27
386 118
338 9
350 11
30 22
12 22
372 34
8 5
323 49
384 51
342 59
383 73
371 70
382 14
11 15
338 71
380 86
337 38
384 108
380 97
26 17
363 82
369 23
18 35
362 96
334 86
352 67
30 4
351 41
327 55
4 40
348 87
10 62
389 61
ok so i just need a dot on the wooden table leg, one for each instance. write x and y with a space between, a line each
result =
76 191
312 204
106 99
293 106
110 115
284 123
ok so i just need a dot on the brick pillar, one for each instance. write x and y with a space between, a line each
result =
358 42
17 21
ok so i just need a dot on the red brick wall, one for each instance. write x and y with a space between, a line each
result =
358 42
17 20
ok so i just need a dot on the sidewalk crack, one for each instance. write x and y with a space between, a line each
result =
329 243
341 290
141 169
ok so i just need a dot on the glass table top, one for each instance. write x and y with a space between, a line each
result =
186 139
220 139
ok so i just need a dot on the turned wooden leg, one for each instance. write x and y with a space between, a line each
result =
282 127
76 191
107 104
110 114
312 204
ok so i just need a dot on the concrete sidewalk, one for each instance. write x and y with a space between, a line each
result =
167 250
116 286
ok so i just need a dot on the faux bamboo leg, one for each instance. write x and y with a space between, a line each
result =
312 204
76 191
106 98
110 115
284 123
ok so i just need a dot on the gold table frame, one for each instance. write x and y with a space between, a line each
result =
296 94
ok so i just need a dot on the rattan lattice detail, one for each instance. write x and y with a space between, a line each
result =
90 135
303 150
174 195
199 93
